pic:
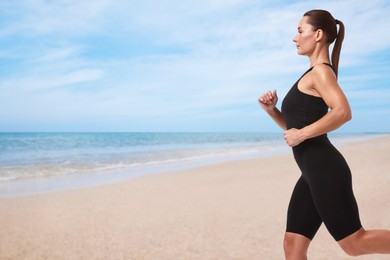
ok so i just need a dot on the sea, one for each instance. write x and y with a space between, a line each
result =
42 162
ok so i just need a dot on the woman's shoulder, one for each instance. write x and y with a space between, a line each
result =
323 68
323 72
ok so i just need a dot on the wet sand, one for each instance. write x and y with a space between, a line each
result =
233 210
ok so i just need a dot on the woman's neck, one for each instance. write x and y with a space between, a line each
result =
319 56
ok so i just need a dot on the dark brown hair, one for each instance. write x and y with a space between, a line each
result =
321 19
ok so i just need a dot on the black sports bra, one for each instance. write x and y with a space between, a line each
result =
301 109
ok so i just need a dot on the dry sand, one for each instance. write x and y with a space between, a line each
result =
233 210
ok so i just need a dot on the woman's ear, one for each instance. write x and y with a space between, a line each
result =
319 35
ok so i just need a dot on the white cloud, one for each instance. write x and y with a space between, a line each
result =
222 55
60 17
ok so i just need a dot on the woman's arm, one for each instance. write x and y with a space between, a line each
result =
268 102
326 85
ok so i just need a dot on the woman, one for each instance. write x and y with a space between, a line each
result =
323 193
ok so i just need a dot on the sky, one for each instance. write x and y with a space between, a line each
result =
177 66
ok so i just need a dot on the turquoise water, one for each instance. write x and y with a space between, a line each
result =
26 155
112 156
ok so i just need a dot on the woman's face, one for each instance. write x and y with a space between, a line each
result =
305 38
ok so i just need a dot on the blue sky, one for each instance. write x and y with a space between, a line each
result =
168 65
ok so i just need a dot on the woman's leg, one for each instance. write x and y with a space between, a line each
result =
302 215
295 246
303 222
366 242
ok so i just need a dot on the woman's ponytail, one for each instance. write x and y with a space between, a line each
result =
337 46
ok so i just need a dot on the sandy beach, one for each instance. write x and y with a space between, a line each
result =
233 210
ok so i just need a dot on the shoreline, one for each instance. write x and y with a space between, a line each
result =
231 210
90 178
57 183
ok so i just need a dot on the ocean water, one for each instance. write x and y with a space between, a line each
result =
27 155
80 157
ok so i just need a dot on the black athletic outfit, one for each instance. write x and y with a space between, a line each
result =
323 193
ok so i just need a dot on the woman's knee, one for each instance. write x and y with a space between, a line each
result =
352 245
295 245
351 249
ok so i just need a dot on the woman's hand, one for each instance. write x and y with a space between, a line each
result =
294 137
268 100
